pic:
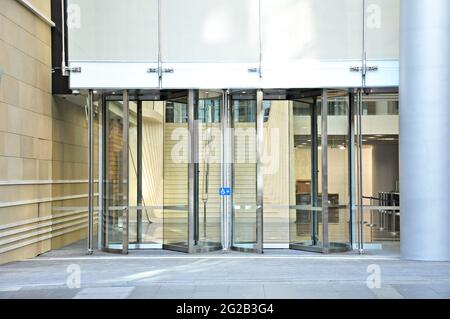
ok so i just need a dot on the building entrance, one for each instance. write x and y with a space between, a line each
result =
203 170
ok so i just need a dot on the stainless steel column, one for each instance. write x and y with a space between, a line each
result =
193 160
259 172
90 248
314 174
126 171
360 176
352 169
425 130
139 173
324 115
101 173
227 166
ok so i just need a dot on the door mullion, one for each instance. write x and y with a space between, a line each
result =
126 171
259 171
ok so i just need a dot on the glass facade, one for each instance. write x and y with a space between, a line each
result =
209 31
223 43
112 30
299 172
295 165
296 30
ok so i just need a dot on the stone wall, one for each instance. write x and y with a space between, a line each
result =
43 143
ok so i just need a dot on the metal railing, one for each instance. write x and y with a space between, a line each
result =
384 217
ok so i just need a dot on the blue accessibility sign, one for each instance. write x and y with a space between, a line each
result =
225 191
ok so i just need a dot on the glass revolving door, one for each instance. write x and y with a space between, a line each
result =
207 170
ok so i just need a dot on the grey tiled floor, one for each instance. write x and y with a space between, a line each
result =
276 274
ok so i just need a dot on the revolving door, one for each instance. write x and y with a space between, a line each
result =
189 170
167 171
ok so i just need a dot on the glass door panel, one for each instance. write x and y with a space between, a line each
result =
338 169
320 180
245 172
208 168
176 175
305 201
146 173
115 221
275 168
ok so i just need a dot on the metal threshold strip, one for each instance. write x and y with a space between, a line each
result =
203 257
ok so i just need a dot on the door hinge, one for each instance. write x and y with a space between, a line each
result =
152 70
67 70
160 70
364 69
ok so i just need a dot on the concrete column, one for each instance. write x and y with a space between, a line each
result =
425 130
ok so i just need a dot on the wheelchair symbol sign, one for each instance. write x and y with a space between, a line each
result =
225 191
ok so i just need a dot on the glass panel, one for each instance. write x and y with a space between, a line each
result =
245 170
338 169
146 217
208 206
210 31
380 157
305 204
133 174
382 29
116 179
96 28
176 174
275 168
295 30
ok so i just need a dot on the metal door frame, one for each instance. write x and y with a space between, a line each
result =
259 244
125 177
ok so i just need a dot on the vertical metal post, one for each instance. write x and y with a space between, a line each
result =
90 248
360 175
159 46
314 174
360 107
126 171
191 168
139 173
259 172
226 180
326 244
64 70
107 185
260 28
195 136
351 167
231 173
101 173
